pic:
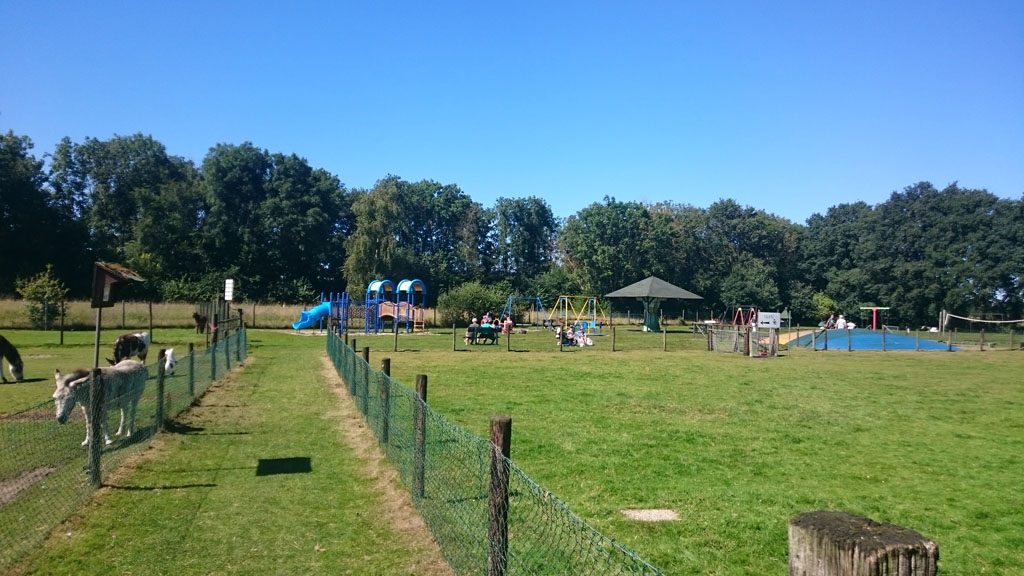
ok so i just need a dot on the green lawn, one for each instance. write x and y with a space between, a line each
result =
199 502
737 446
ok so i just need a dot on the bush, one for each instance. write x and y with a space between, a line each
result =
46 295
472 299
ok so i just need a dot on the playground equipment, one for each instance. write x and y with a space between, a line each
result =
379 293
401 303
744 316
874 314
335 304
407 294
585 312
525 306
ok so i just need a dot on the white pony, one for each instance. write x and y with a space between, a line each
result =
167 357
123 384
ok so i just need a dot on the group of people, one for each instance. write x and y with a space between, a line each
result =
487 328
839 323
572 336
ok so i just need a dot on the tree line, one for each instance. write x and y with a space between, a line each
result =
287 231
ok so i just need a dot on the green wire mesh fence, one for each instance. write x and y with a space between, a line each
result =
44 468
450 472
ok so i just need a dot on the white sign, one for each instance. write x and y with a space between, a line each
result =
769 319
229 289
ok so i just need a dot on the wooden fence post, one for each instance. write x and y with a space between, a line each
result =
191 371
613 338
160 375
420 443
213 359
664 339
497 526
365 403
385 401
227 350
96 412
829 543
453 337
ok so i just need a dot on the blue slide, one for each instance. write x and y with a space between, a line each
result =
310 317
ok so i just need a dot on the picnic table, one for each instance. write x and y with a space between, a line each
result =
487 333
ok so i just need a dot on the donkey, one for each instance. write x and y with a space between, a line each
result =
122 384
201 322
128 345
14 363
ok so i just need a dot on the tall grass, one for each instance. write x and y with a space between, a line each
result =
128 315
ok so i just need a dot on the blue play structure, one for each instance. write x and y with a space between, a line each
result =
380 298
410 299
333 304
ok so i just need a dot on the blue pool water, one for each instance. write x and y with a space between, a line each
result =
864 339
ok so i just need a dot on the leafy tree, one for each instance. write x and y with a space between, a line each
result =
25 217
46 295
751 282
607 246
823 305
524 233
422 230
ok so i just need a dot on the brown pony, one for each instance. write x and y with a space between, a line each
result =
201 322
14 363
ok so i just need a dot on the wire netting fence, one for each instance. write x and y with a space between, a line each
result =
44 467
450 473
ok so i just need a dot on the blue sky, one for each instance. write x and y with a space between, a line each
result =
790 107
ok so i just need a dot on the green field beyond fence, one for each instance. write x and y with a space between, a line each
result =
449 472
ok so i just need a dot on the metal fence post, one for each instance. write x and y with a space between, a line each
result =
497 526
420 443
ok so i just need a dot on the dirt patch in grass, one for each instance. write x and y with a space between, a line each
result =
9 489
398 508
651 514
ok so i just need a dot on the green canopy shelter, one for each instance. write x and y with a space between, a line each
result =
651 291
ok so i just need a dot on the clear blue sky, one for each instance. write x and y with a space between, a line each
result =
791 107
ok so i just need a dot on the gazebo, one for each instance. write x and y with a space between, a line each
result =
651 291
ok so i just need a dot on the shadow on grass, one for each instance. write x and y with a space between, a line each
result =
272 466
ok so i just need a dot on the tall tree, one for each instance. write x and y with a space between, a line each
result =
524 235
25 216
607 246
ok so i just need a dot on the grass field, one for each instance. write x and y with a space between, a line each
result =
737 446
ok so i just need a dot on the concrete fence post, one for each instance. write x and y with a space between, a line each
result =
829 543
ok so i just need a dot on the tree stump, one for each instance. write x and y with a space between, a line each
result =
825 543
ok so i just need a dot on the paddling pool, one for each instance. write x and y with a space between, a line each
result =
864 339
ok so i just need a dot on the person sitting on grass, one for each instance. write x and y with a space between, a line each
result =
506 326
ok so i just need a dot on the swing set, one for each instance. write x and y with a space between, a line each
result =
584 312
